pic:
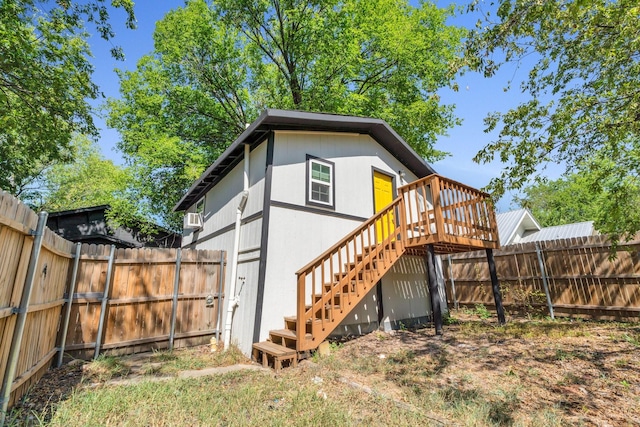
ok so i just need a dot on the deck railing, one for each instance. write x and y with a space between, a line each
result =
448 214
434 210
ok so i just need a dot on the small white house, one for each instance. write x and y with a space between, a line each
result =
291 186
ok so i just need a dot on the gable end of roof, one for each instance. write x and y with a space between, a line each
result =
271 120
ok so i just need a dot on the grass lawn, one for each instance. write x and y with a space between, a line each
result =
527 373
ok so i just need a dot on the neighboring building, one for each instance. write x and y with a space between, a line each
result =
296 183
89 225
520 226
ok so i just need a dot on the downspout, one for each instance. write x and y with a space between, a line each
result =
233 301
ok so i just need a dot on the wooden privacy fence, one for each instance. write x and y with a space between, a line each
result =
568 276
131 300
57 298
35 265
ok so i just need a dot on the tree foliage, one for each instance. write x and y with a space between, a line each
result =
584 93
216 66
45 81
563 201
88 180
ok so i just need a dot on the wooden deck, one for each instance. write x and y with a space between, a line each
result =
434 211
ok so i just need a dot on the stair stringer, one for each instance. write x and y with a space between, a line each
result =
346 293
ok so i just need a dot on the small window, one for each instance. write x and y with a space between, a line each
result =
320 177
200 206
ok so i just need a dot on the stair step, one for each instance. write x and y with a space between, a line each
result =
266 350
368 249
363 274
284 333
337 297
291 323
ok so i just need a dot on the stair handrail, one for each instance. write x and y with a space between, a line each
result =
327 256
403 189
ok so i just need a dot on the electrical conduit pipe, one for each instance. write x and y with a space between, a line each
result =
233 301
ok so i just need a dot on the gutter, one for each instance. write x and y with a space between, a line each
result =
233 301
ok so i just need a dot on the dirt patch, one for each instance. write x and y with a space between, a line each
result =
587 372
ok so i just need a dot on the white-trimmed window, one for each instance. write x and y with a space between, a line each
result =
200 206
320 182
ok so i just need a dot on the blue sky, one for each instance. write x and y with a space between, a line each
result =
476 97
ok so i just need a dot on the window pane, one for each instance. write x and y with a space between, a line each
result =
320 192
320 172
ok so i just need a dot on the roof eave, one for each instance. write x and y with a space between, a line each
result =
272 119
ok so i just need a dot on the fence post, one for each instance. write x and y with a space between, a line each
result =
223 262
67 313
453 283
174 305
18 332
105 300
545 285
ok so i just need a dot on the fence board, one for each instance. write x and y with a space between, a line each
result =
138 313
583 278
15 250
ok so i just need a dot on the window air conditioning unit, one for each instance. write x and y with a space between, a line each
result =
194 220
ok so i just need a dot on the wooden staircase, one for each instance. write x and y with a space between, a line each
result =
432 211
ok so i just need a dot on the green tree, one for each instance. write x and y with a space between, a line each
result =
216 66
88 180
584 93
563 201
45 82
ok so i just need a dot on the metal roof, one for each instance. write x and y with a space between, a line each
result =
272 119
509 222
567 231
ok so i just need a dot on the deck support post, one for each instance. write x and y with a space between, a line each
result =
436 311
495 285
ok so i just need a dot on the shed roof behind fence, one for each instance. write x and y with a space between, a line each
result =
510 222
567 231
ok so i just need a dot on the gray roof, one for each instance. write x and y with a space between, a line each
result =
271 119
567 231
509 222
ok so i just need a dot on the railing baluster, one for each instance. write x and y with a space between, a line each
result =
460 227
359 282
301 318
435 195
333 287
410 213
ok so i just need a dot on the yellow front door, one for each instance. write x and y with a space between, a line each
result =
382 196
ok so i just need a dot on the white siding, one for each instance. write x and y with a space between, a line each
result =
295 239
405 298
220 211
353 155
222 201
405 292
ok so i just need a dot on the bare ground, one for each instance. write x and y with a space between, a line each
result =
588 372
